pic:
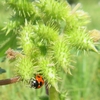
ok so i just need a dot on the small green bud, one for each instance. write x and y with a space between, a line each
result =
61 53
79 39
45 32
49 70
22 8
24 68
25 39
52 9
11 26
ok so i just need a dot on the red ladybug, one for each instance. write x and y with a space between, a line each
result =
37 82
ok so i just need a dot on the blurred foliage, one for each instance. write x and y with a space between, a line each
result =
72 1
84 84
94 12
6 41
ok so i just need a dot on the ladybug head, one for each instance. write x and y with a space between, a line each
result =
34 83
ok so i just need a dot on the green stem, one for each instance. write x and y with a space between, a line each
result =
53 94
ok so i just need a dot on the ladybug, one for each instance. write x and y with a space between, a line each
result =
37 82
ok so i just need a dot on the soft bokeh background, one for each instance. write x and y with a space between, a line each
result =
84 84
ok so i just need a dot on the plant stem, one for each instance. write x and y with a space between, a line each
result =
46 88
53 94
9 81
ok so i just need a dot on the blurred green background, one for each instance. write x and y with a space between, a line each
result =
84 84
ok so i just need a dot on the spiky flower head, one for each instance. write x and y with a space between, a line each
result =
25 36
61 54
25 68
49 70
81 40
53 9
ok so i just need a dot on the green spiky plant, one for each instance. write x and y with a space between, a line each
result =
46 32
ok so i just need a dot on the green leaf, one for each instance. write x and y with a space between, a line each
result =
2 70
7 42
45 97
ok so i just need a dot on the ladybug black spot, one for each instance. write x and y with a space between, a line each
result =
41 84
42 79
38 76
